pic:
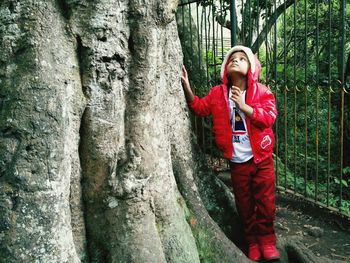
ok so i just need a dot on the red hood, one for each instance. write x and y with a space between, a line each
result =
254 77
254 71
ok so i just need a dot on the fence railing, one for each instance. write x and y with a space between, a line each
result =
305 58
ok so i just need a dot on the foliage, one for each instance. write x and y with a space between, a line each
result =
214 67
255 18
310 42
306 68
323 192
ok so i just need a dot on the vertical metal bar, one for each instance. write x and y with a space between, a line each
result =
183 25
217 40
284 46
202 73
222 32
342 102
250 24
294 42
217 33
191 41
341 146
316 140
206 46
295 138
191 66
213 77
295 95
329 98
257 27
208 84
343 32
285 99
197 120
199 35
285 135
275 26
243 25
207 74
317 99
306 140
233 23
214 46
208 33
329 142
266 44
306 99
275 81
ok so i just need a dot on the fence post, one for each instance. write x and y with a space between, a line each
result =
233 22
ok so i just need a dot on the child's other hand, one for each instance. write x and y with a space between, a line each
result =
236 96
184 78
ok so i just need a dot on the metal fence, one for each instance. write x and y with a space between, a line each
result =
305 58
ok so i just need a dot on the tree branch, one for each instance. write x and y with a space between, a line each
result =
226 23
269 24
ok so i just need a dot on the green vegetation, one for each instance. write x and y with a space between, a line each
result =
323 192
303 61
205 251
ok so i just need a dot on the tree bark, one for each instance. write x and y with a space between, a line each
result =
96 152
41 106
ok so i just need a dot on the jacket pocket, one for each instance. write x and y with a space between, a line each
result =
265 140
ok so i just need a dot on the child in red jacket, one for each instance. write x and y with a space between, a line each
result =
243 112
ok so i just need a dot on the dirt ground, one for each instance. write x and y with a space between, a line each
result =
324 232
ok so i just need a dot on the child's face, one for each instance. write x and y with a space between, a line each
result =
238 64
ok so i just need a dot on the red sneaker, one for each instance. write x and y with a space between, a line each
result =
270 252
254 252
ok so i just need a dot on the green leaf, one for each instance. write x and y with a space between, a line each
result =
345 183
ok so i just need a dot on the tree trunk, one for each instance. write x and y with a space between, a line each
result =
41 107
97 159
96 154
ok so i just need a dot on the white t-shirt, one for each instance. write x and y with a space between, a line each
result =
242 150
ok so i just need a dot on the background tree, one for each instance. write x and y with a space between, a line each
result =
254 18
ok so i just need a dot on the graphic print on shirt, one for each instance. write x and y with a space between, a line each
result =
239 128
242 150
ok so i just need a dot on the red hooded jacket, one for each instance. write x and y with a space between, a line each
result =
259 125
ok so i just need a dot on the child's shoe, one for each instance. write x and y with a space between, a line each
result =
254 252
270 252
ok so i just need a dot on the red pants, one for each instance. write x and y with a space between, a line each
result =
254 190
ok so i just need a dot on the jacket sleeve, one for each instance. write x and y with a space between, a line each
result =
201 106
265 113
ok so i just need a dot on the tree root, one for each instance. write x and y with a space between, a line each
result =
293 250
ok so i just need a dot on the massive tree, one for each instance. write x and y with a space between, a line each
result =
96 153
97 158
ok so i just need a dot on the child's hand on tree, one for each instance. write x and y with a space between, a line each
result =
186 85
184 78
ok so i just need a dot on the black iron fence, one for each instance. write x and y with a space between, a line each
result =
305 58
